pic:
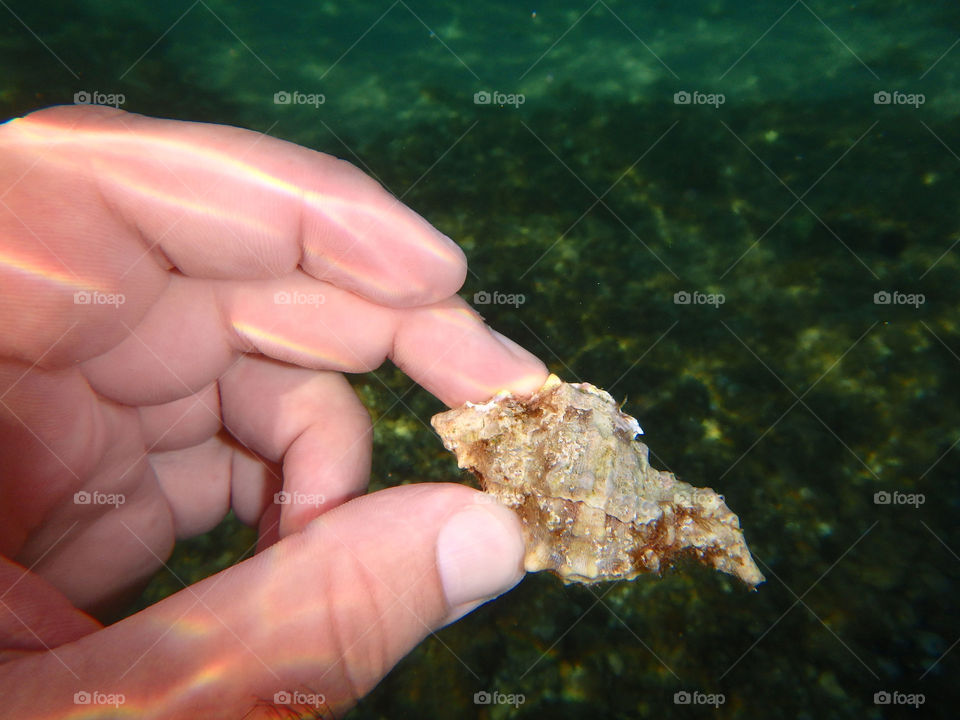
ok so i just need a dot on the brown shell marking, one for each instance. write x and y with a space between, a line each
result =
572 466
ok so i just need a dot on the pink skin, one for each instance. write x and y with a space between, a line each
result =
203 389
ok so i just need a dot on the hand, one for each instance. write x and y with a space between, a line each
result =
177 302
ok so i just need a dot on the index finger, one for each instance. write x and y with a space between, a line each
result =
223 202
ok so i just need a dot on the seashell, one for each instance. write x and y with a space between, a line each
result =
572 466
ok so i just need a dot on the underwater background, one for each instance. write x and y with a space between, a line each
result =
741 218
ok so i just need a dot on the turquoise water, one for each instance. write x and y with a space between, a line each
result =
818 211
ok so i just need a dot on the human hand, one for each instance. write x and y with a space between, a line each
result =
147 353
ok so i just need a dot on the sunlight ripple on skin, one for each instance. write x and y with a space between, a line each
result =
32 268
357 216
289 350
201 251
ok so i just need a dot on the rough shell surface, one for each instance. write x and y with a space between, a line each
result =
572 466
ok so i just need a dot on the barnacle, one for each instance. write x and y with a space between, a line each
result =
571 464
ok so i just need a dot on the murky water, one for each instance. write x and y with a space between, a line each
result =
741 218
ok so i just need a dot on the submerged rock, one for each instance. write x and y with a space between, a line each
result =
573 468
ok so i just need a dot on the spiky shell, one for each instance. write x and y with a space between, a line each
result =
571 464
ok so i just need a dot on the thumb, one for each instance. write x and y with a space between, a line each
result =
398 564
315 621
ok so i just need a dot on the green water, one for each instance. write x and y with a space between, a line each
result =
599 198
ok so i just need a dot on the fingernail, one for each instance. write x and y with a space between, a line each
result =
522 383
479 555
514 349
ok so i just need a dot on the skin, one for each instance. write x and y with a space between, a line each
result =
229 278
